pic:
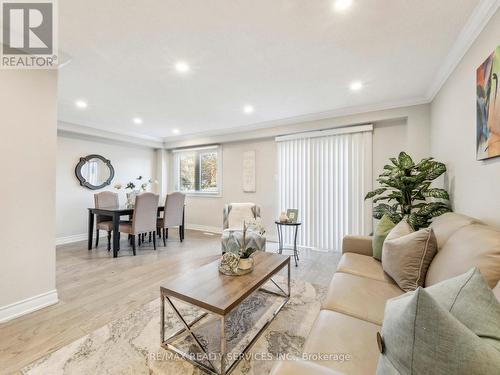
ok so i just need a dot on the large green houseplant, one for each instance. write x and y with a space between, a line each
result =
405 191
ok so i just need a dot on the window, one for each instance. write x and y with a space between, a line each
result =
197 171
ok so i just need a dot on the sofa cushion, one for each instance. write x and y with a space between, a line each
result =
362 265
300 367
471 301
447 224
359 297
421 337
337 333
384 226
471 246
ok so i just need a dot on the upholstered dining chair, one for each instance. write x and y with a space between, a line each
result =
101 200
234 215
172 215
144 219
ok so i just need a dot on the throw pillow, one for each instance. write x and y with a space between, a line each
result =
406 255
420 337
400 230
470 300
384 226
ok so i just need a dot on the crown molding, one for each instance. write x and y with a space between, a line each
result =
234 132
320 121
475 24
81 131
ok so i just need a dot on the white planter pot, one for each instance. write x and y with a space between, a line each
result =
245 264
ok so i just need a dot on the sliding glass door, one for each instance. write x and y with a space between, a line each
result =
325 175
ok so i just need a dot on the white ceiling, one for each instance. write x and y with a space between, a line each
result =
287 58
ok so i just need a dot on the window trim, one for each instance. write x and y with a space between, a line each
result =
178 152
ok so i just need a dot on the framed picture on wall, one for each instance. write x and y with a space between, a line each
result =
488 107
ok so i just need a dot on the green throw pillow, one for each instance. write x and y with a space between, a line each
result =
420 337
384 226
471 301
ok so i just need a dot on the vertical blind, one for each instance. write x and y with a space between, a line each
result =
325 175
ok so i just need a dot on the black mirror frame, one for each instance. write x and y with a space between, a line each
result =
83 181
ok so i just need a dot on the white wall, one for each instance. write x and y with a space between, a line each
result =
72 201
206 212
27 223
394 130
473 184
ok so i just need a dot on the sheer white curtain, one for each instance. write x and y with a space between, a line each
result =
325 175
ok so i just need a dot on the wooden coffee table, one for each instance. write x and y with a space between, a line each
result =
218 294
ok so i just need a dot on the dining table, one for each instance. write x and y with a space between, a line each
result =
115 213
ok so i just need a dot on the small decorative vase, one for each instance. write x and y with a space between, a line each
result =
283 217
131 198
245 264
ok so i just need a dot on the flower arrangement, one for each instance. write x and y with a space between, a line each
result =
131 188
143 186
237 260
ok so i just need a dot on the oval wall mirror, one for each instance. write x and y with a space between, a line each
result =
94 172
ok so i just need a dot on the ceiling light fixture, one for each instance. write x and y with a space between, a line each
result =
176 131
356 86
137 120
182 67
341 5
248 109
82 104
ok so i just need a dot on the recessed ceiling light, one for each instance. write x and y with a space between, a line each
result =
356 86
137 120
182 67
341 5
176 131
82 104
248 109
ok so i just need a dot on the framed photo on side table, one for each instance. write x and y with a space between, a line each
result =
293 215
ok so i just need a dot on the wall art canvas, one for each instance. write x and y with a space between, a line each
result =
488 107
249 171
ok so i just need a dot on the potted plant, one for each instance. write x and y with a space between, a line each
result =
238 259
406 191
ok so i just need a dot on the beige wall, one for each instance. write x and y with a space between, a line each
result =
72 199
394 131
28 152
473 184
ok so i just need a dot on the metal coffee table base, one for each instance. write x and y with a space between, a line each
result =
189 327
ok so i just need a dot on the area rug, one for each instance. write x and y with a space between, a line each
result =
131 345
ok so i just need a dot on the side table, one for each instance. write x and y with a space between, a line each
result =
295 226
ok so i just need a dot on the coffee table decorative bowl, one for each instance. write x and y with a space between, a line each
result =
231 265
217 296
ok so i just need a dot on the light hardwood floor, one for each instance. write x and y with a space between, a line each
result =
94 289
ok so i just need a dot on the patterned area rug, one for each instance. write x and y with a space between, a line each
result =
131 345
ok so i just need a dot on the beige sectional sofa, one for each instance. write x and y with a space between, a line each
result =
354 308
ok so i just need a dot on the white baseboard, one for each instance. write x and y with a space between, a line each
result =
204 228
201 228
28 305
77 237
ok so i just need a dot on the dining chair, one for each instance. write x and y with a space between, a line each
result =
172 215
144 219
101 200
